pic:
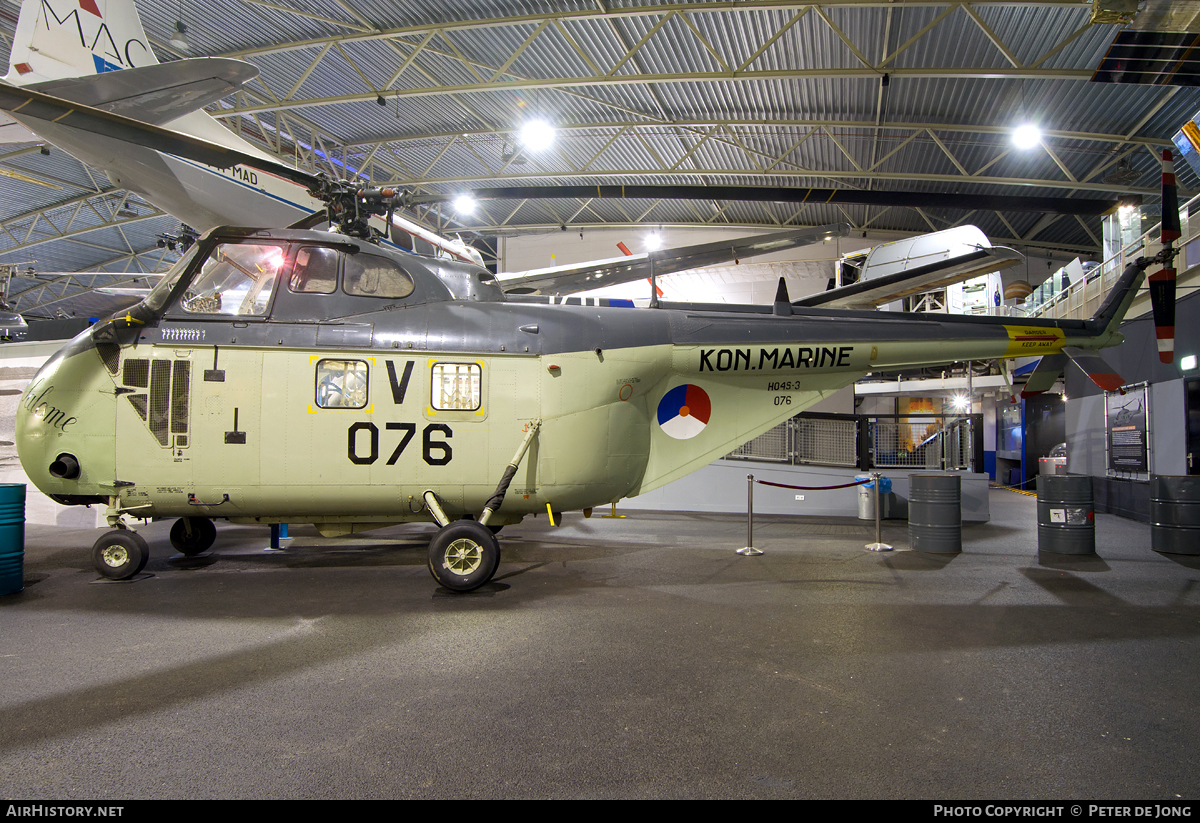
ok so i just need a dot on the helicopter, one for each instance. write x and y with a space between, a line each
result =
283 376
291 375
286 375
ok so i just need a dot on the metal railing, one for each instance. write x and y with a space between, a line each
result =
926 441
1083 298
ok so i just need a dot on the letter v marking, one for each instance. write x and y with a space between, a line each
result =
399 388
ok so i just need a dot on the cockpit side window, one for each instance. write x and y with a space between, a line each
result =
368 275
237 279
315 271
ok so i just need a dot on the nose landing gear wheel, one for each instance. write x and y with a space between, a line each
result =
120 554
463 556
193 535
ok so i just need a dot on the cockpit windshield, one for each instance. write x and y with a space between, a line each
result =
156 300
236 279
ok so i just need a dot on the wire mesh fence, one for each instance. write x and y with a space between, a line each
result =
864 442
825 442
773 446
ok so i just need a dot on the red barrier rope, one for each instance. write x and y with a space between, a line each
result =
812 488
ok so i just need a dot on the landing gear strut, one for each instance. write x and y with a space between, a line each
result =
465 554
120 554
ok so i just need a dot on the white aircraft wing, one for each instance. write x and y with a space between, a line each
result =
155 94
915 265
593 275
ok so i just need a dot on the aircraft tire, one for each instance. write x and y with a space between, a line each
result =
463 556
120 554
203 535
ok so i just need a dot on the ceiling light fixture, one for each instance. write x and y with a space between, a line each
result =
1026 136
537 135
464 204
179 37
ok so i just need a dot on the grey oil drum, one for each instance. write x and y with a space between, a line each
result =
1175 514
12 537
1066 514
935 513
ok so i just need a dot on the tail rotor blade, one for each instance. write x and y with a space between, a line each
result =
1162 282
1162 301
1170 199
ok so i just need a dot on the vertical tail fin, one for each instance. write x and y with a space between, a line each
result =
58 39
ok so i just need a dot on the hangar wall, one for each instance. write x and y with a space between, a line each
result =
1136 360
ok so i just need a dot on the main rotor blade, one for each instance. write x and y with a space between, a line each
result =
26 102
907 199
568 279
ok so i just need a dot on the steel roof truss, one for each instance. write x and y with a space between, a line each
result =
770 41
517 52
607 143
947 152
363 28
829 22
991 35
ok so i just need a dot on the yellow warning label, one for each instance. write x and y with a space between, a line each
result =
1023 340
1192 133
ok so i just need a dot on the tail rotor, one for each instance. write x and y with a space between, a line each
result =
1162 282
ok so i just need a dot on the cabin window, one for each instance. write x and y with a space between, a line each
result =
370 276
315 271
237 279
341 384
456 387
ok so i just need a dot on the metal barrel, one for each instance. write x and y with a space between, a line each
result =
1066 514
12 537
1175 514
935 513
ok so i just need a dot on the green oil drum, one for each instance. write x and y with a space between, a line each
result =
1175 514
935 513
12 537
1066 514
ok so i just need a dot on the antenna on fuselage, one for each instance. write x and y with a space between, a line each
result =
653 282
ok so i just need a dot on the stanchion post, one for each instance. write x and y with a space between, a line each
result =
878 545
274 547
748 550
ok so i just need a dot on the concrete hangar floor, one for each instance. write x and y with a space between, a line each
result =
635 658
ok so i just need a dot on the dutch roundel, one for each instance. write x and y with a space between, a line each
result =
683 412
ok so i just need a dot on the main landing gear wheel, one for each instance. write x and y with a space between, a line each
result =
463 556
193 535
120 554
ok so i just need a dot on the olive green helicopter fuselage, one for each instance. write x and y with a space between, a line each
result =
292 376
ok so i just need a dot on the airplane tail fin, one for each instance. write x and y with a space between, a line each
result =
59 39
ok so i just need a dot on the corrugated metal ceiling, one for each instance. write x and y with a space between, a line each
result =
761 93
